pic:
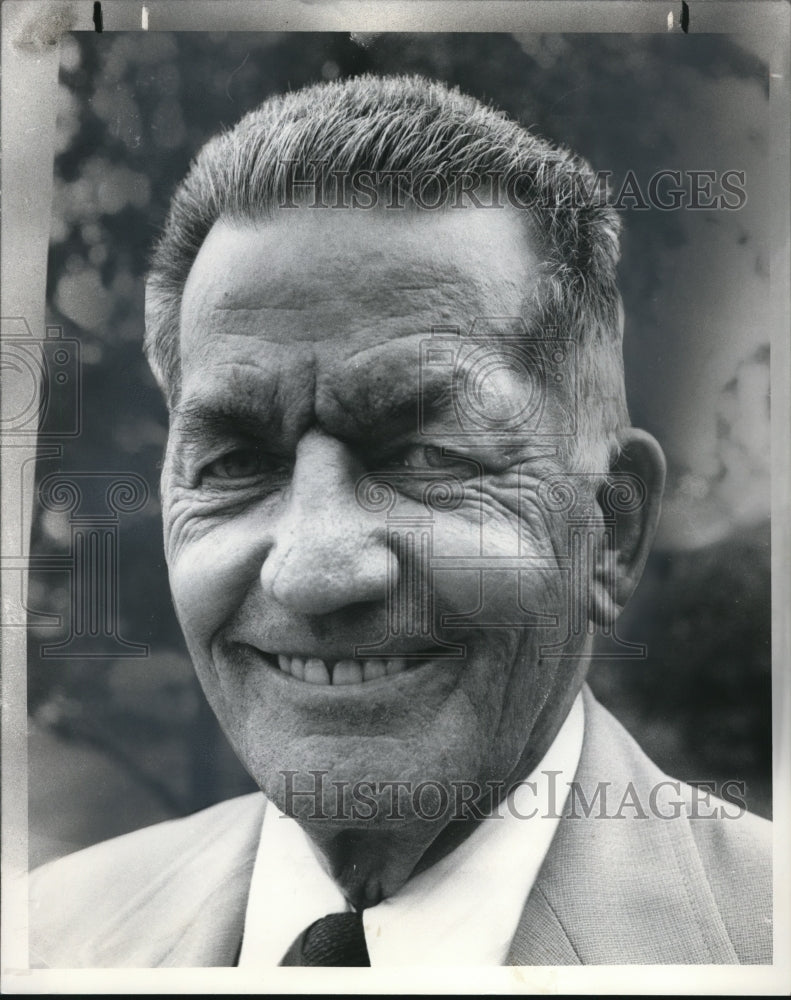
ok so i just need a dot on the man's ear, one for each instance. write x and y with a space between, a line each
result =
631 502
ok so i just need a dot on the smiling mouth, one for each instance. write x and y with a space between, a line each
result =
336 673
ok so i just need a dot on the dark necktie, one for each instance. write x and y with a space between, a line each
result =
337 939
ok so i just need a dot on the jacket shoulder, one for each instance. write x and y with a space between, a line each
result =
735 848
645 869
730 857
86 908
720 851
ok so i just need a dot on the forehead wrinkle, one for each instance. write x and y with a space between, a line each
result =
320 330
315 314
315 290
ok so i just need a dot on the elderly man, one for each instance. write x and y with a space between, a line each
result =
401 496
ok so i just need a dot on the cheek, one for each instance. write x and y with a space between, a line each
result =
210 571
495 560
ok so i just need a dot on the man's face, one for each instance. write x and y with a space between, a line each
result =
302 388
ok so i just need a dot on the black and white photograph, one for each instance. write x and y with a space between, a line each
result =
396 463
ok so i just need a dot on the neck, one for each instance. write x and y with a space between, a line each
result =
371 865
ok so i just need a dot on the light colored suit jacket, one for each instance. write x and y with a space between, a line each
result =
641 888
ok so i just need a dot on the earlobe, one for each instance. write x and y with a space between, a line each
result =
631 504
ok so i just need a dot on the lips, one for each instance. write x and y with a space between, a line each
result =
314 670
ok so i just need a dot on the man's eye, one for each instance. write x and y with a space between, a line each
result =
423 457
242 463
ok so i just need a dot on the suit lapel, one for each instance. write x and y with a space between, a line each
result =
622 884
540 937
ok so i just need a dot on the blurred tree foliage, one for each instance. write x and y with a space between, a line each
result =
118 743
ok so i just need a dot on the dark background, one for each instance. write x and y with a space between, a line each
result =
118 742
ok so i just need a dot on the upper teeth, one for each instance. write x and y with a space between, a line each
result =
316 671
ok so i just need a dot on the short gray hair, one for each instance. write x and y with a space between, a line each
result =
415 127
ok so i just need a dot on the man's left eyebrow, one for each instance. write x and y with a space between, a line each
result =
398 414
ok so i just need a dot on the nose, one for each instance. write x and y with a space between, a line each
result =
327 552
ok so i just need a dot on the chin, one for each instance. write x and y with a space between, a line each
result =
356 783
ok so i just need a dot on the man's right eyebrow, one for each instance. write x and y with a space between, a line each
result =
203 419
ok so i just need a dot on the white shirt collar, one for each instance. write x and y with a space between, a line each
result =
463 910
